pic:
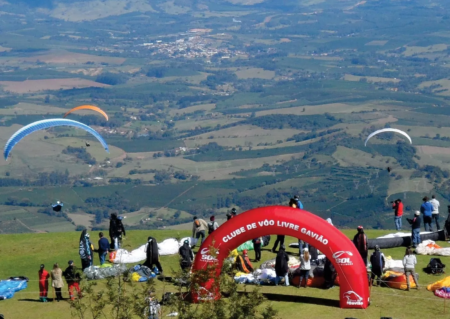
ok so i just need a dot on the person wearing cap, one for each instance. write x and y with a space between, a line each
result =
378 262
43 283
282 266
415 226
233 212
186 255
72 278
154 307
435 213
427 210
299 203
199 227
305 267
361 243
212 225
57 282
409 262
85 250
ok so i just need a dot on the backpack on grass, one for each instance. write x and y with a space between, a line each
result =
435 267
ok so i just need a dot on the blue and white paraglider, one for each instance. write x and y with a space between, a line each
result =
40 125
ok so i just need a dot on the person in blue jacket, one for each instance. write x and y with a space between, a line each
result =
299 203
427 211
103 248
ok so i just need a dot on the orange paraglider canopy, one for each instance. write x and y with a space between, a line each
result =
88 107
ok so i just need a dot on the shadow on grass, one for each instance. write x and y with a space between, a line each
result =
38 300
302 299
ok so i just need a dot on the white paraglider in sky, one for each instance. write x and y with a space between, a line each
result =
387 130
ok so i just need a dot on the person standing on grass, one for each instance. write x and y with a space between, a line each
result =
257 242
398 210
447 222
186 255
199 227
153 255
305 267
378 263
43 283
409 262
361 243
415 226
427 210
435 213
72 278
57 282
85 250
282 266
116 231
103 248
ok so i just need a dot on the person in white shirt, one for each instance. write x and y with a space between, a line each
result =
305 267
435 213
409 261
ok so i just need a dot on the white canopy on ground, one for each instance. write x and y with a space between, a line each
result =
167 247
429 247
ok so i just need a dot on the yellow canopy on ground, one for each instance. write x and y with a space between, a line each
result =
439 284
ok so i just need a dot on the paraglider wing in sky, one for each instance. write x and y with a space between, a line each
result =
88 107
57 207
387 130
40 125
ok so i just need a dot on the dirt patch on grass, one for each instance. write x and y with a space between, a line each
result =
383 121
50 84
433 150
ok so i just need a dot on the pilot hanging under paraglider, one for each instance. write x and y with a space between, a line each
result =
58 206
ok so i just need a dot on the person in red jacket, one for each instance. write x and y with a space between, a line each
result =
43 283
397 206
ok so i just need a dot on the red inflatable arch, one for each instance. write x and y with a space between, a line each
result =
282 220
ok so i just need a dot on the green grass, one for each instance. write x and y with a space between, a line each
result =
23 253
143 145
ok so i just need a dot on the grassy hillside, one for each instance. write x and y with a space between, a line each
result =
23 253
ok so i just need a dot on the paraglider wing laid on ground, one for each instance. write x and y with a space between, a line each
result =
387 130
403 239
40 125
88 107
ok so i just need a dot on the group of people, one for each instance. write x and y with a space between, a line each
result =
430 214
86 252
71 275
378 262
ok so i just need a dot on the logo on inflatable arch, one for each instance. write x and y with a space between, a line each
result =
353 299
343 258
205 294
206 257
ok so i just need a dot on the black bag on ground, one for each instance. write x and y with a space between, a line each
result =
435 266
